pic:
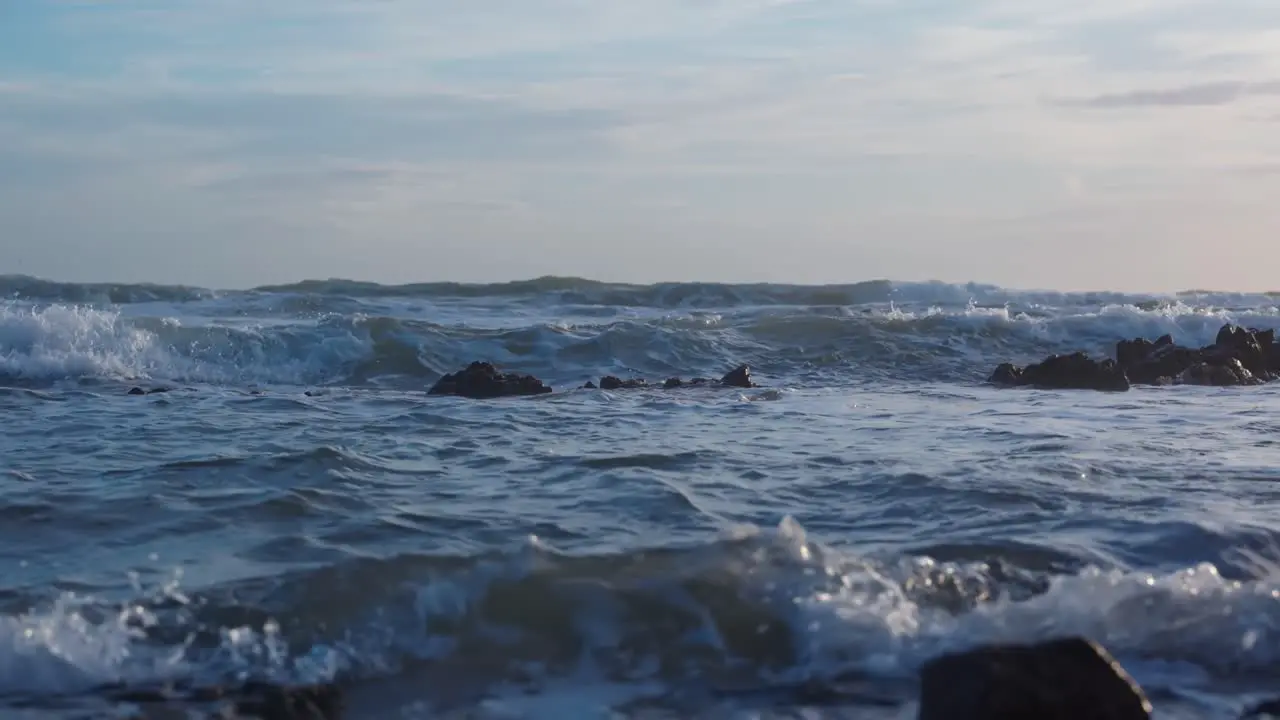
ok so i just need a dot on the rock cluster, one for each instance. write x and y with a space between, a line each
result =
481 380
1238 356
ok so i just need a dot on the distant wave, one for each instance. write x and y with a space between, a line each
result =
800 345
581 291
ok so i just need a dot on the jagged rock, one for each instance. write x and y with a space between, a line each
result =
1067 679
152 391
1076 371
589 386
1238 356
738 377
1229 373
1147 363
481 380
1253 348
674 382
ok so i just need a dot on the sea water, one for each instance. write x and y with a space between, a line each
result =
297 508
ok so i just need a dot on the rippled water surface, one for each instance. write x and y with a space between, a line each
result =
296 506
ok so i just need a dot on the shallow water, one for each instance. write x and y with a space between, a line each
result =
297 507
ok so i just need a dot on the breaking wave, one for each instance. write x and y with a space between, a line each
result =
835 335
757 609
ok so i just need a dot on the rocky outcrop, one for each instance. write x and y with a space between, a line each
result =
482 381
1065 679
1238 356
1065 372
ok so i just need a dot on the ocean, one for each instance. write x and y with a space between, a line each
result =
296 508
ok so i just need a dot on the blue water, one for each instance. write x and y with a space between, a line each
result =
297 507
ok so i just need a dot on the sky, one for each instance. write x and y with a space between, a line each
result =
1067 144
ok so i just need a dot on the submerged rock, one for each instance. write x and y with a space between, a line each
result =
1076 371
481 381
1265 709
1067 679
151 391
252 699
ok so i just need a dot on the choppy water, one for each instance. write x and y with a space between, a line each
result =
298 507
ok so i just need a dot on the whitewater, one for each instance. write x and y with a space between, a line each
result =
295 507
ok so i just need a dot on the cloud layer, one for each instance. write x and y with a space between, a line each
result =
1039 142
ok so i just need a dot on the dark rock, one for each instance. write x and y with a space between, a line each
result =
1068 679
1228 373
481 380
151 391
251 699
674 382
699 381
1268 708
609 382
1238 356
1076 371
137 391
1006 374
1145 363
1251 347
738 377
589 386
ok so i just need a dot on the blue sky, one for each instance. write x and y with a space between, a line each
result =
1123 144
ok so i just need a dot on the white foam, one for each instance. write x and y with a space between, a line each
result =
848 614
63 341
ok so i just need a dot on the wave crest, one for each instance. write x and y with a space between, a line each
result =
755 609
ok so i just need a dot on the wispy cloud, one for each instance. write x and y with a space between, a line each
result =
867 136
1202 94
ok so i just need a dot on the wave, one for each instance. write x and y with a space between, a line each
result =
793 346
755 609
312 294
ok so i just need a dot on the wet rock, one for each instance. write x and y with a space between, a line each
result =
609 382
738 377
589 386
252 699
149 391
1076 371
1228 373
1006 374
1253 348
137 391
1071 678
1266 709
482 381
1158 363
1238 356
674 382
